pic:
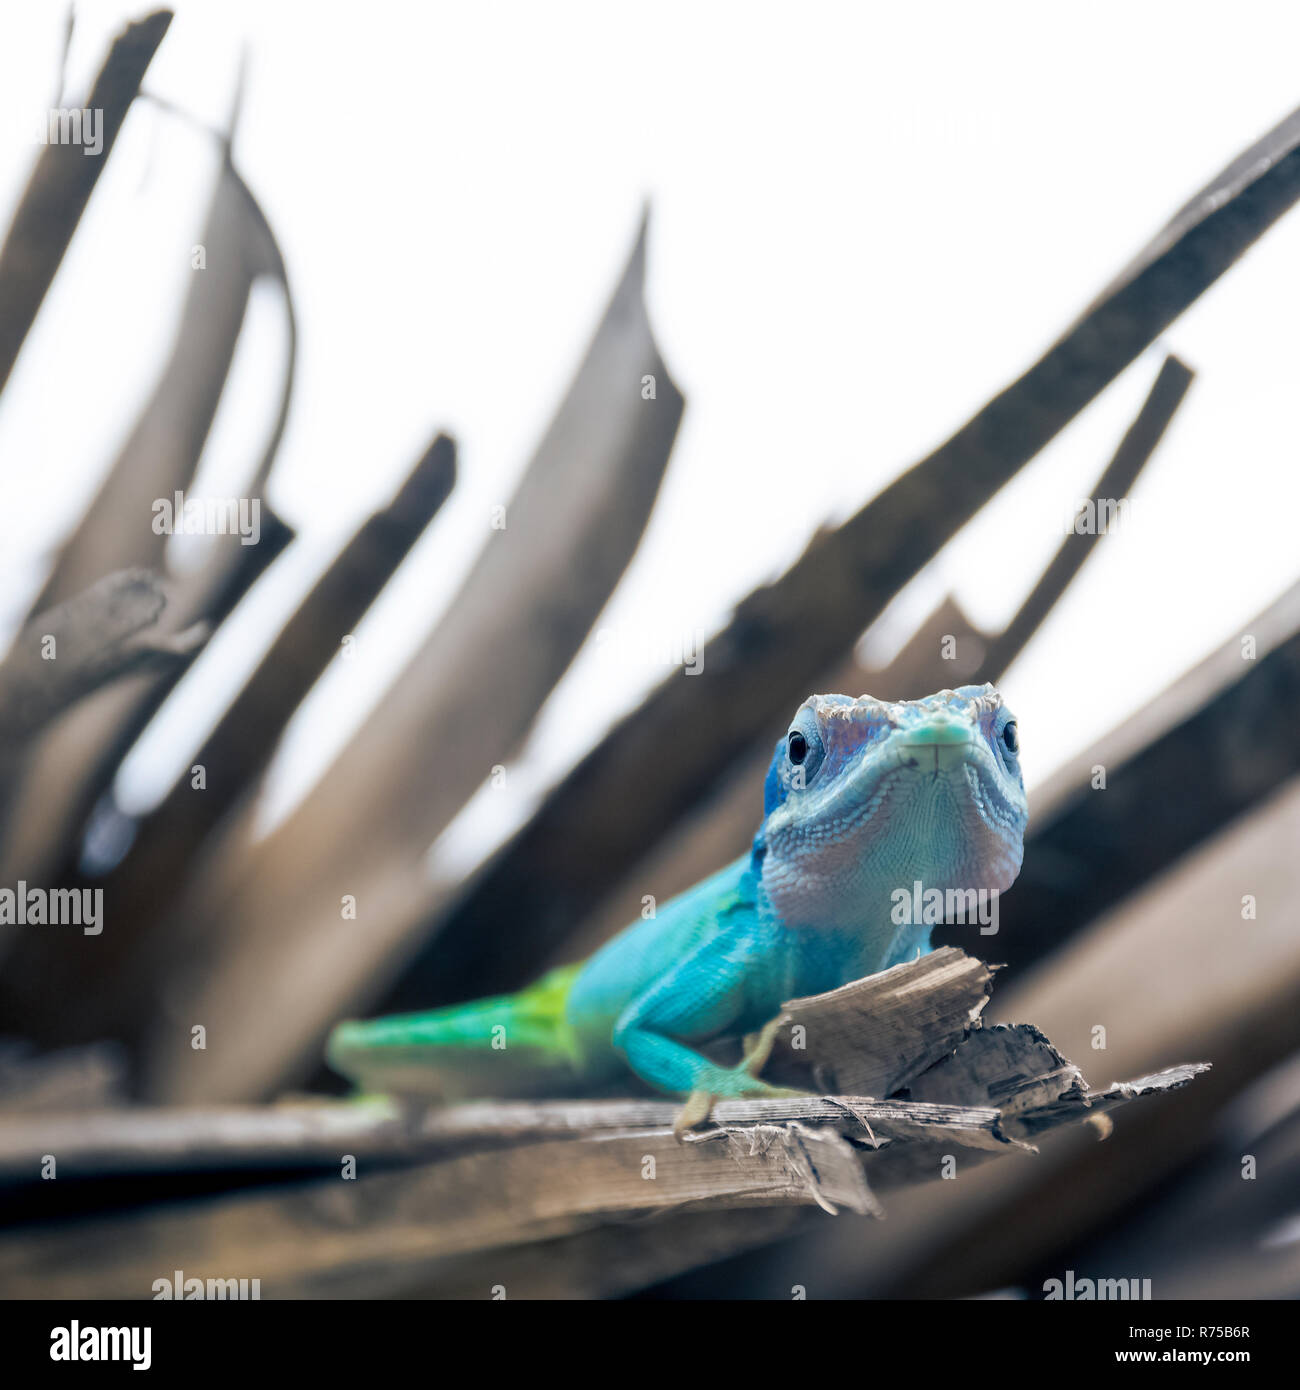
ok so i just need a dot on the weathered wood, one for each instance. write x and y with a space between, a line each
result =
39 962
161 454
601 1263
720 826
66 652
1116 482
78 647
74 1079
1089 846
879 1033
429 1189
1012 1067
272 911
1210 1233
95 1143
383 1220
68 770
545 1183
60 187
1173 971
136 963
588 832
382 1130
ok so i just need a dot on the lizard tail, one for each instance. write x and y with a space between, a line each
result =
510 1045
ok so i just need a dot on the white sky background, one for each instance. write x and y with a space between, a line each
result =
866 220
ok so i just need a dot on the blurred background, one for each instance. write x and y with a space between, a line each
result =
690 290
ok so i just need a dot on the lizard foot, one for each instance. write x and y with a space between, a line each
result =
757 1048
699 1104
697 1109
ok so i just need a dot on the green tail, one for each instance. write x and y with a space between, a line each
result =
512 1045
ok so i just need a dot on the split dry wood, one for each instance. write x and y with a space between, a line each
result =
1175 971
434 1186
66 652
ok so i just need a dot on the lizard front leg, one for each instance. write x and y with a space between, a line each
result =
758 1048
705 995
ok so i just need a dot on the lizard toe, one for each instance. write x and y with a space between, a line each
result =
698 1107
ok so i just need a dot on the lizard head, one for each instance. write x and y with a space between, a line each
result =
866 796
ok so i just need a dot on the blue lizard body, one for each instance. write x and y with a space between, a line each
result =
864 800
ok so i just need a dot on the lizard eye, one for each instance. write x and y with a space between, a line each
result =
804 751
1011 738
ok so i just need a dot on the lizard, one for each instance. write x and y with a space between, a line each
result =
863 799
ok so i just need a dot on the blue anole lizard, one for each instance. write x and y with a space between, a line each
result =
864 799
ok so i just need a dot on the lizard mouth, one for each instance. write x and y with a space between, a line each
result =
957 752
